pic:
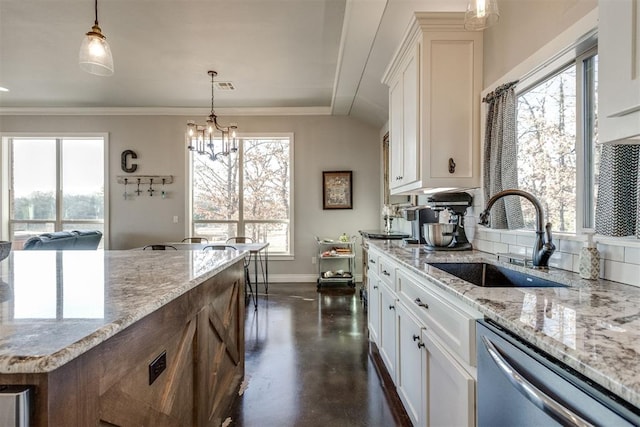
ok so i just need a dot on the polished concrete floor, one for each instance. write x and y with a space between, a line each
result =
307 361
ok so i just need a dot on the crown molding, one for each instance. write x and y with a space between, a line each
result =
162 111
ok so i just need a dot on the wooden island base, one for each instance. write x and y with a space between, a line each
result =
201 334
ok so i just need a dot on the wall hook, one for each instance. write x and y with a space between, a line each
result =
138 190
163 193
151 190
126 181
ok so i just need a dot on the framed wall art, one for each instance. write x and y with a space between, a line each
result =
337 190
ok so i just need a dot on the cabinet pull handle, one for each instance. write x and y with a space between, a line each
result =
392 307
452 165
421 304
420 344
375 286
372 261
386 273
416 337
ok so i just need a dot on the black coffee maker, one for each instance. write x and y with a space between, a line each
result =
419 216
456 203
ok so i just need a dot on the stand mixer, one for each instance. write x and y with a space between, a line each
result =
456 203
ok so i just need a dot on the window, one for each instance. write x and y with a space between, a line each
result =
557 133
248 193
55 184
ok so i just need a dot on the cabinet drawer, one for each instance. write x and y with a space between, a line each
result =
454 327
387 271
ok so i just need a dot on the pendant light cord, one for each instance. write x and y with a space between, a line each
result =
96 7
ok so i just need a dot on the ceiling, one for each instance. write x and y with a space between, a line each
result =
282 56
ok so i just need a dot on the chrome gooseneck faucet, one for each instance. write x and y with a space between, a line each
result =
542 250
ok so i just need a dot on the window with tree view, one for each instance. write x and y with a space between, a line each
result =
57 184
247 193
557 133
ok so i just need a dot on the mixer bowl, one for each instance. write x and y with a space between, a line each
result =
439 235
5 249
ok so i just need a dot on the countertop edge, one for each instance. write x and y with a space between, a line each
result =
50 362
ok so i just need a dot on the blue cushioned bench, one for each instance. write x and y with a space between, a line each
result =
75 240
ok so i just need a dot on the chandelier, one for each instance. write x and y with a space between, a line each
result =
202 138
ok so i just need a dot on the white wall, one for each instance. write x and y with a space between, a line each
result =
524 27
321 143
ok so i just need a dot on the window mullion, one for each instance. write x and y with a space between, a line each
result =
59 166
241 225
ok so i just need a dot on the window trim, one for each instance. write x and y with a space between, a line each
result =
5 160
189 223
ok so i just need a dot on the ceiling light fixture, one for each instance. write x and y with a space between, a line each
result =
481 14
201 138
95 54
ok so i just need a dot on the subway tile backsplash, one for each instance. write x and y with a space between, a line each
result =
618 263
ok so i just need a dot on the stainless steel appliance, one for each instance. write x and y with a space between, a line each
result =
14 405
519 385
456 203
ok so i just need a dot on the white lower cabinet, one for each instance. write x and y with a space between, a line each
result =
450 388
388 339
373 306
426 341
412 369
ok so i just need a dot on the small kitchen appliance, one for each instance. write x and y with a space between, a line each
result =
418 216
456 204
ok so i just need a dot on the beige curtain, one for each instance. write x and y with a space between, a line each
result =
500 169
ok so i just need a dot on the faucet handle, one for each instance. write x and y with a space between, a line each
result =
549 243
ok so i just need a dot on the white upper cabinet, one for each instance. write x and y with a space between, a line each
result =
435 80
619 71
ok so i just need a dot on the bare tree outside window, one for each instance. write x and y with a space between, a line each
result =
246 194
547 149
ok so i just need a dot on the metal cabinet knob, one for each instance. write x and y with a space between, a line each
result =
421 304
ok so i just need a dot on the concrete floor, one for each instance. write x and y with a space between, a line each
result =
307 361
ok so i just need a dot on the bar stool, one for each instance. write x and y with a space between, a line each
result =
247 276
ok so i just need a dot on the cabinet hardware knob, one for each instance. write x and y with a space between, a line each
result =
416 337
421 304
452 165
386 273
392 307
420 344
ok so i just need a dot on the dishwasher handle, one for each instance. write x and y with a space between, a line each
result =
554 409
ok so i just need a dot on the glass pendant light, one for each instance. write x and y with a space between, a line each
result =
481 14
95 54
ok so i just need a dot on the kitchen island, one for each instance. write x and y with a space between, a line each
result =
593 326
151 338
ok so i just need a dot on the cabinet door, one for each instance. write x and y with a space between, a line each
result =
619 69
410 117
373 307
388 329
411 384
396 134
450 388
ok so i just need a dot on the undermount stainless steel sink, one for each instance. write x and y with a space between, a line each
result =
493 276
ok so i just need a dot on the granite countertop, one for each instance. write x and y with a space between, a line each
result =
593 325
57 305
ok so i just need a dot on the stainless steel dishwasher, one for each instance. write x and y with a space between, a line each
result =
519 385
14 405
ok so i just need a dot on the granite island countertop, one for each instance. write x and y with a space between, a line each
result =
593 326
57 305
